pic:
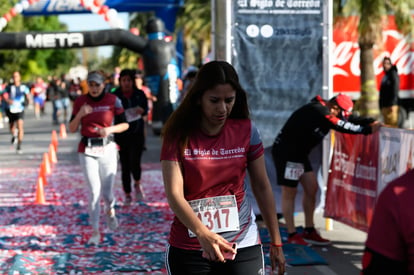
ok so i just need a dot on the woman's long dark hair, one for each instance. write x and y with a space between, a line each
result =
187 117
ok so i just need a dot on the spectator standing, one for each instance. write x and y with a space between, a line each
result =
388 95
303 131
389 248
140 83
74 90
59 95
99 115
131 142
204 162
110 86
188 81
16 96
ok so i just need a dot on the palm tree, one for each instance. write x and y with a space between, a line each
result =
372 12
195 22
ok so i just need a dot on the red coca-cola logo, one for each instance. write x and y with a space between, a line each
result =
346 57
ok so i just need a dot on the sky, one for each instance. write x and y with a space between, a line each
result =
92 22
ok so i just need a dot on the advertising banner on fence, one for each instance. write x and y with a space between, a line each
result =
352 182
396 154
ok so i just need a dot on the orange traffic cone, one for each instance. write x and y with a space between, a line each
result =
46 164
42 173
62 132
52 154
54 140
40 195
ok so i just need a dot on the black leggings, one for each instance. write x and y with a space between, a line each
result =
249 260
130 153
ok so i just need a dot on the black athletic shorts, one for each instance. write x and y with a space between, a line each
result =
14 116
289 166
249 260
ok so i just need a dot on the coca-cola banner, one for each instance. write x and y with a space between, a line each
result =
352 182
277 51
346 71
396 154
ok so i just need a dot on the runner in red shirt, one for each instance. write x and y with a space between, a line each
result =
98 115
209 143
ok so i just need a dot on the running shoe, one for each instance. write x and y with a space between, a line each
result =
95 239
297 239
111 220
19 149
128 200
314 238
139 194
13 140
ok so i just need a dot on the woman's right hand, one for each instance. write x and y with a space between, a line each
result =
213 246
85 109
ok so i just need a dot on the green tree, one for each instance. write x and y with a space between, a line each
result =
371 14
195 22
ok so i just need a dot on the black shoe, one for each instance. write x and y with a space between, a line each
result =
279 216
13 140
260 218
19 149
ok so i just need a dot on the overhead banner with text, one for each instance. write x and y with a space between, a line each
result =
277 52
164 9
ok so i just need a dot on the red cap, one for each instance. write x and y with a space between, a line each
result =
345 102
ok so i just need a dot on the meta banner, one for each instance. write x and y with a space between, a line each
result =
53 40
165 9
278 52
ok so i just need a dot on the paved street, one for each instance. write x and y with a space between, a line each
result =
343 256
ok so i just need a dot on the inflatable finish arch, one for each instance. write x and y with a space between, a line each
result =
159 55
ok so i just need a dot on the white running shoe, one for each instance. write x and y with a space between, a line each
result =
111 220
95 239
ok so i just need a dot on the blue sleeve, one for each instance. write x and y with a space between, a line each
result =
255 137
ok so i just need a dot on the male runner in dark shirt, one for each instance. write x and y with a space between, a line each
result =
305 129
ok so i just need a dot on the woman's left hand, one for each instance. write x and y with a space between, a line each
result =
277 259
103 132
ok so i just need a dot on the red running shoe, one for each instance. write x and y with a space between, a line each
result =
314 238
297 239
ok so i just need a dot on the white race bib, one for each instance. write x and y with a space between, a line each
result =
218 214
131 114
95 151
294 170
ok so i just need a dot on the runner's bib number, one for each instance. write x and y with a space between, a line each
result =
218 214
95 148
294 170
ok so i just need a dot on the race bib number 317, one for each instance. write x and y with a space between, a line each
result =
218 214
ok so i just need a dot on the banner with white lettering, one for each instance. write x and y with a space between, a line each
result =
165 9
277 52
352 182
396 154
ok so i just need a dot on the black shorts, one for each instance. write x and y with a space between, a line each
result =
287 162
249 260
14 116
